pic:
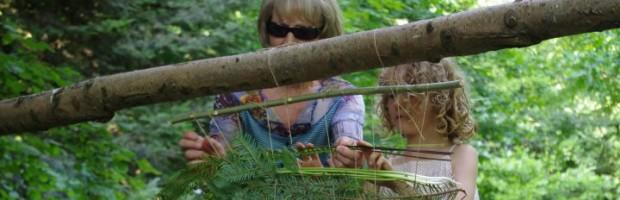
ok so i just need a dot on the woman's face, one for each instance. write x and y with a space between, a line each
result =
304 29
408 116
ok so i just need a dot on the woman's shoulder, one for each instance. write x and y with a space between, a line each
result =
236 98
335 83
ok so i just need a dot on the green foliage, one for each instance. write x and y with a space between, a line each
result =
21 70
548 115
147 132
559 102
76 162
372 14
250 172
101 37
520 175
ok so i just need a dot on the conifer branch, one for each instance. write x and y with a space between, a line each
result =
250 173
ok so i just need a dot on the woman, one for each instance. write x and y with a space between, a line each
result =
335 121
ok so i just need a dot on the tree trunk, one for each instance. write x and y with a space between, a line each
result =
518 24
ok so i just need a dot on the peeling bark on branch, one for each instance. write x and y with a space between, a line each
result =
516 24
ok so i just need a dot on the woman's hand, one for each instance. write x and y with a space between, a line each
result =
344 156
195 147
311 160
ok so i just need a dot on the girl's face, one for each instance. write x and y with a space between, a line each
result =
291 29
410 115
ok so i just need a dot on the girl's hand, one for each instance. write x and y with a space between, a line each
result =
312 160
375 160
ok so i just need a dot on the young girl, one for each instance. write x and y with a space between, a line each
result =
434 124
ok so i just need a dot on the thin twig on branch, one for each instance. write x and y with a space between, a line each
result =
343 92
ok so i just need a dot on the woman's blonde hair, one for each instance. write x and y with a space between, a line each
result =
452 106
325 14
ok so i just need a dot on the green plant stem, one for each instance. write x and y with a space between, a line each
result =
368 174
344 92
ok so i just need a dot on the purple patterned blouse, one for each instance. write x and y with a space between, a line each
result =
348 120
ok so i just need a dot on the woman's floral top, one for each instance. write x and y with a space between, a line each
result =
348 120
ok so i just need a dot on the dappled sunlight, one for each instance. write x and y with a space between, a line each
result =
558 87
530 125
600 132
205 32
486 3
400 21
174 29
583 105
616 112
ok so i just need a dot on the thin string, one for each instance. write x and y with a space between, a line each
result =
333 191
269 132
203 133
374 38
275 80
288 117
286 95
275 183
421 138
219 130
417 126
273 75
329 145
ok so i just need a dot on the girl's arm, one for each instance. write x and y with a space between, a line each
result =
465 169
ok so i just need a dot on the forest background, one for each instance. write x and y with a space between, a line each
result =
548 115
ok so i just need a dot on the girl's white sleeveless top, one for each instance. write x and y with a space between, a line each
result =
430 167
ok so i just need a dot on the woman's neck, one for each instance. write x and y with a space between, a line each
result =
293 90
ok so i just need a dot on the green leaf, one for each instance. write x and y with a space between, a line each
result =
146 167
35 46
8 38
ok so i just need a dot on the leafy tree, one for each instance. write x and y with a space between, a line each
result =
548 115
557 102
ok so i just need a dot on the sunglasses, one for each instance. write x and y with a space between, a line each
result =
302 33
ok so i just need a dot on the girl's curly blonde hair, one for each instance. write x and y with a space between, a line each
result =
453 117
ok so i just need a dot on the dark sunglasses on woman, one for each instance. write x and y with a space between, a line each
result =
302 33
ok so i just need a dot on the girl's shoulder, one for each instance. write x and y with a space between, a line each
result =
464 151
466 156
